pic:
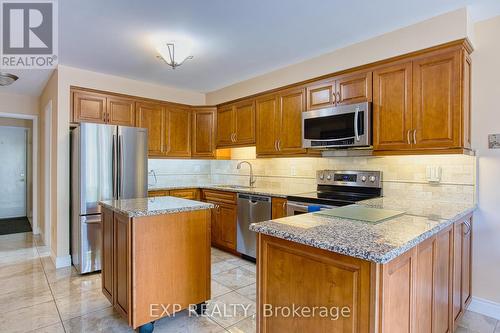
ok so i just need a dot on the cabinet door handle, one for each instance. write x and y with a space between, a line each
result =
408 137
284 206
338 97
469 227
279 144
334 97
415 136
276 144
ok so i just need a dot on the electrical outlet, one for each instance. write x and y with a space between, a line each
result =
433 174
494 141
293 171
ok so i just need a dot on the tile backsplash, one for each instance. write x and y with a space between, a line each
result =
401 174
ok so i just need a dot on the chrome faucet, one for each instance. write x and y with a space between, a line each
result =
252 178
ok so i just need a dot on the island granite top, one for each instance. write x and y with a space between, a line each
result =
377 242
154 206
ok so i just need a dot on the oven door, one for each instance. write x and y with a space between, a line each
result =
337 127
297 208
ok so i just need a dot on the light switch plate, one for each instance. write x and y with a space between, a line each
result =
494 141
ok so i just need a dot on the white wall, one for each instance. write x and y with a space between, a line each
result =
486 120
438 30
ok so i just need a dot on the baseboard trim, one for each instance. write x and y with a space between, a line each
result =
61 261
485 307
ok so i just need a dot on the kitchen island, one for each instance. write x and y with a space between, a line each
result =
155 257
410 273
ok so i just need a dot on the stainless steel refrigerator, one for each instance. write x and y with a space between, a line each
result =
107 162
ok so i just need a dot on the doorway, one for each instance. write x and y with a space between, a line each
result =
14 180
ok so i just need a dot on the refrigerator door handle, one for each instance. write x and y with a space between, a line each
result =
114 168
120 167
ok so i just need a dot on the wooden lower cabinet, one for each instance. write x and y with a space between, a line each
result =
107 254
462 262
426 289
278 208
224 218
137 274
186 193
295 274
158 193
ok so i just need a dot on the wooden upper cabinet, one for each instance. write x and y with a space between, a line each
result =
89 107
178 132
321 95
437 101
225 126
121 111
353 88
236 124
341 90
267 125
392 107
291 105
152 117
244 113
203 134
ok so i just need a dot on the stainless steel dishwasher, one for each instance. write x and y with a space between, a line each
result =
251 209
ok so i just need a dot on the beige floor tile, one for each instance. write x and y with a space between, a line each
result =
248 325
184 323
235 278
478 322
215 259
230 309
238 261
22 298
77 305
23 282
461 329
75 285
54 275
30 318
249 292
251 267
57 328
222 266
103 321
16 256
218 289
22 268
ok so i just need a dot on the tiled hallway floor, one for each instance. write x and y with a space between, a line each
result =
36 297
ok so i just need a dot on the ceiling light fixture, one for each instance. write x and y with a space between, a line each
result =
6 79
175 53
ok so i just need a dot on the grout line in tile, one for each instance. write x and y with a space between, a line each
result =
50 288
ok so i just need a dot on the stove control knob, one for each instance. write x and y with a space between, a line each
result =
363 179
321 176
372 179
329 177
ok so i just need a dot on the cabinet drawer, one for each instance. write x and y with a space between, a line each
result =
220 196
159 193
187 193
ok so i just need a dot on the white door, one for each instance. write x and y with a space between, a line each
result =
12 171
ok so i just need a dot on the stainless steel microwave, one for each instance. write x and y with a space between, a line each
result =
343 126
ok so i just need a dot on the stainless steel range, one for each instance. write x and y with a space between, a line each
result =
337 188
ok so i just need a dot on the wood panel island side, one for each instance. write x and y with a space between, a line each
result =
409 274
155 257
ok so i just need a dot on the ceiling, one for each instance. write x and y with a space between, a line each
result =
233 40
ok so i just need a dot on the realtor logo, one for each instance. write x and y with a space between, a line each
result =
29 34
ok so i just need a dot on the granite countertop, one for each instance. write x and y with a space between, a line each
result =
377 242
269 191
154 206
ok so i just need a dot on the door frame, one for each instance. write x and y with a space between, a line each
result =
34 162
47 141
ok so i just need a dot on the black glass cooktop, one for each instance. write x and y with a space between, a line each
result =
336 196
